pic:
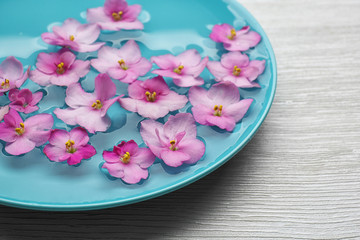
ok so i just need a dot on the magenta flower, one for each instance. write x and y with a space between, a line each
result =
79 37
152 98
124 64
219 106
236 68
3 111
234 40
24 100
128 162
60 68
11 74
115 15
69 146
23 136
174 142
184 68
89 109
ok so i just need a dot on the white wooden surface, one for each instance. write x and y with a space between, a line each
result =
299 178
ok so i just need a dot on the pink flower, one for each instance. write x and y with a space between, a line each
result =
184 68
152 98
174 142
11 74
236 68
234 40
219 106
69 146
60 68
23 136
89 109
115 15
124 64
128 162
3 111
79 37
24 100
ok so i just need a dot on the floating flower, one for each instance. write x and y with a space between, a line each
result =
115 15
124 64
11 74
60 68
219 106
152 98
128 162
69 146
3 111
184 68
79 37
234 40
23 136
174 142
89 109
24 100
236 68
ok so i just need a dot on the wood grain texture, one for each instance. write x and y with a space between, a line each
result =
299 178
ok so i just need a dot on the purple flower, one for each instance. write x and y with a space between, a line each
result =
24 100
11 74
89 109
234 40
152 98
115 15
79 37
3 111
236 68
128 162
174 142
219 106
69 146
184 68
23 136
124 64
60 68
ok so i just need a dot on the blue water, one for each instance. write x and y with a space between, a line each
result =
32 181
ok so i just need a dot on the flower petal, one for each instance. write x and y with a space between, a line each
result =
224 93
189 58
115 170
77 97
222 122
231 59
130 52
11 68
181 122
194 147
39 77
174 158
166 61
238 110
217 69
58 138
87 33
55 153
104 87
20 146
80 136
133 173
37 128
144 158
198 95
254 69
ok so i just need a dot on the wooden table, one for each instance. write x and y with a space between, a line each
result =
300 175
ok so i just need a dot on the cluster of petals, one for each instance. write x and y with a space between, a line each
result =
219 106
128 162
233 40
236 67
124 64
115 15
89 109
23 136
12 74
184 69
152 98
69 146
175 141
59 68
72 34
24 100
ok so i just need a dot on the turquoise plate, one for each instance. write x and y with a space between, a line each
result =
32 181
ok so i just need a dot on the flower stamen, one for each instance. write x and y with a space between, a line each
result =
117 15
173 145
20 131
97 105
232 34
123 65
60 68
72 38
70 146
125 158
236 71
179 69
150 97
218 110
5 84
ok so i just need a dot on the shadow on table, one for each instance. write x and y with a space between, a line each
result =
162 217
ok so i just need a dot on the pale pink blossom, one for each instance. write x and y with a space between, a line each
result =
24 100
11 74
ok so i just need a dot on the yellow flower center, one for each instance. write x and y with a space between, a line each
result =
150 97
60 68
236 71
123 65
70 146
218 110
232 34
20 130
72 38
97 105
172 145
125 158
117 15
179 69
5 84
